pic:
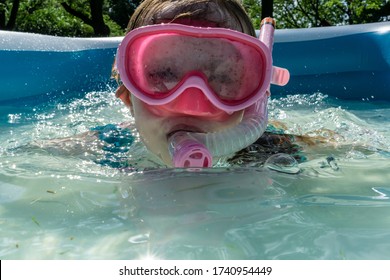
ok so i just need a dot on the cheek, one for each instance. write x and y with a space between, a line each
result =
147 123
150 128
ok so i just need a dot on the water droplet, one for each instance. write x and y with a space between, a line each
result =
332 163
282 163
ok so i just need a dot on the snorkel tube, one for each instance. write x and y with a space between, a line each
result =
190 149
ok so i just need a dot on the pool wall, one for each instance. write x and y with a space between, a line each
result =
348 62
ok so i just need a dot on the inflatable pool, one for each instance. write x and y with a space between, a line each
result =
348 62
67 195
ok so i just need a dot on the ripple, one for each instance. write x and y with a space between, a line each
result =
139 238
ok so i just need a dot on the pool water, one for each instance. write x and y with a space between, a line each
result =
94 200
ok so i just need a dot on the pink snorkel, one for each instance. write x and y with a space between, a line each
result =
187 151
197 149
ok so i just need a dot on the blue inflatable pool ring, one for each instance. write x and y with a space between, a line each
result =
347 62
33 64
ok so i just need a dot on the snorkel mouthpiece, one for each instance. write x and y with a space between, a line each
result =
186 151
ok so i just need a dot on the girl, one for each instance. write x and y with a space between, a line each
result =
196 92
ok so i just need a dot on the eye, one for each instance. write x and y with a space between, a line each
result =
223 81
162 79
161 74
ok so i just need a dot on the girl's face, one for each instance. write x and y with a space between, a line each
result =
156 123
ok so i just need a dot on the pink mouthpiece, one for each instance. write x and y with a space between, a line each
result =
187 152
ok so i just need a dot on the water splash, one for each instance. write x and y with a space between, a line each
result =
88 209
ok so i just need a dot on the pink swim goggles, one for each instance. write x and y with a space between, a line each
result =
157 63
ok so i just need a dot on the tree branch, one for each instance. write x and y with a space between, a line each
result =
2 14
306 13
14 13
291 18
76 13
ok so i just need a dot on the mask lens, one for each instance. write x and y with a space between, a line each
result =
159 63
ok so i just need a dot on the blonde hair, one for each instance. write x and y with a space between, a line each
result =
231 13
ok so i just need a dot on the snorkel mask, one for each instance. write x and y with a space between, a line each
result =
232 70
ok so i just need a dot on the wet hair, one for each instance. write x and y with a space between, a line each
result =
223 13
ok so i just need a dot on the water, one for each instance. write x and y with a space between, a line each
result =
94 200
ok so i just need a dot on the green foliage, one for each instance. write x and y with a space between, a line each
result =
121 11
253 8
115 29
48 17
312 13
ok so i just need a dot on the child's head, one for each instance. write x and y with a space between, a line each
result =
217 13
154 123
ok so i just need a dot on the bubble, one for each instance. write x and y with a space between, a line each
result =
282 163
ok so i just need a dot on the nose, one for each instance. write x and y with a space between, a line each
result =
193 102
